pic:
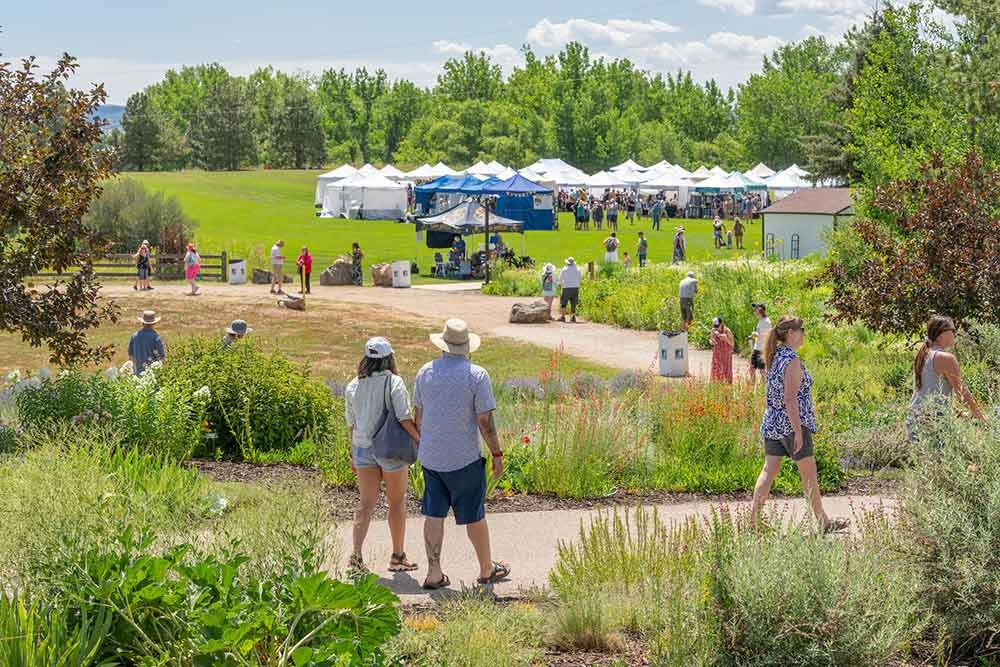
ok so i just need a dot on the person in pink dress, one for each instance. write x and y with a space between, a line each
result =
723 342
192 267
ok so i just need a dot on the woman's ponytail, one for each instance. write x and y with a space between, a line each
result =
936 326
778 334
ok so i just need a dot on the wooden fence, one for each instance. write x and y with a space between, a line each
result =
164 266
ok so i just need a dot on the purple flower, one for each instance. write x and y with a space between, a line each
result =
336 388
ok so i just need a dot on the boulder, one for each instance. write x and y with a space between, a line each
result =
338 273
382 275
261 277
529 313
292 302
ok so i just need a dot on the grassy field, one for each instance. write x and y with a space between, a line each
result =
244 212
327 336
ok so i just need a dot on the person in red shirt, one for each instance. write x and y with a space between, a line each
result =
305 263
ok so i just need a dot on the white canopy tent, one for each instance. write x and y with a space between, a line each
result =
441 169
628 164
796 170
479 169
497 167
724 183
785 182
422 172
507 173
371 197
718 171
547 165
568 179
392 173
531 175
323 180
761 171
368 169
605 180
671 179
701 173
631 177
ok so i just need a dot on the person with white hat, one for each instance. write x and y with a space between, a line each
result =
680 245
570 279
549 286
453 405
237 329
145 346
378 388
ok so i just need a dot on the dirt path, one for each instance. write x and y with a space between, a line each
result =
617 348
529 542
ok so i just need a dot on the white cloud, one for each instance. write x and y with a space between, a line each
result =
616 32
827 7
741 7
451 48
503 54
744 45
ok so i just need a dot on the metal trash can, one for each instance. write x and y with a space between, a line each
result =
401 274
673 354
237 272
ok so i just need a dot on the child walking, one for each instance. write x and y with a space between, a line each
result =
305 263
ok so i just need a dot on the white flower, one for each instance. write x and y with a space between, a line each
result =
126 368
45 373
14 376
111 373
218 505
204 393
64 373
156 365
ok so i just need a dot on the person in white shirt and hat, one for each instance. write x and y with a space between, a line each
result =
453 406
145 346
236 330
570 279
377 388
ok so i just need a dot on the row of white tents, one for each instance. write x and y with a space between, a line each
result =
382 193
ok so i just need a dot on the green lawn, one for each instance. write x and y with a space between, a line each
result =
244 212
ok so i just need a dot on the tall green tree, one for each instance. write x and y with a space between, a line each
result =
474 76
788 100
367 89
396 113
297 131
222 134
142 133
53 166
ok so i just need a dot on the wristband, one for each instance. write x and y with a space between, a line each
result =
498 455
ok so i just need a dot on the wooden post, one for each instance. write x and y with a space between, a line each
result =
590 270
225 267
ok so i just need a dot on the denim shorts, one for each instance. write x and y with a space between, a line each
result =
364 457
463 490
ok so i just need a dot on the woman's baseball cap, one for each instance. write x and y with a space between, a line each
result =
378 348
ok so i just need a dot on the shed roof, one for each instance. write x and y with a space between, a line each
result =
829 201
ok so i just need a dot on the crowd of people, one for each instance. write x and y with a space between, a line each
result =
606 208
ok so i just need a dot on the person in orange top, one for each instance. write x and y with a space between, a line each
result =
305 264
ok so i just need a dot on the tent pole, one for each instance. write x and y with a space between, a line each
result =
486 230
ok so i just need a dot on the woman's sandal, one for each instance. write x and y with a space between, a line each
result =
836 525
444 582
400 563
499 573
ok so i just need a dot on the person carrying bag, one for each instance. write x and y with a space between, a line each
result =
384 438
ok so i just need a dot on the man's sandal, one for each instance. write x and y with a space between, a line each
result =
500 572
444 582
400 563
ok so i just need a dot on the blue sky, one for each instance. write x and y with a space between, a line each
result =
127 45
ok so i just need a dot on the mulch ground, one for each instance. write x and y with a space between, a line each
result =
344 499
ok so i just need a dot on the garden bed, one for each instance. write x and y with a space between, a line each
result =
343 500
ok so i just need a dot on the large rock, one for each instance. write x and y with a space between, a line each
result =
292 302
262 277
338 273
529 313
382 275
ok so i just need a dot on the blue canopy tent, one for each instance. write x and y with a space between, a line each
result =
423 193
524 200
466 219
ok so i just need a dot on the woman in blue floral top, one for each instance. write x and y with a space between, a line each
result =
789 421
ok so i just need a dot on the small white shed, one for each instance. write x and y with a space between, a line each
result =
794 226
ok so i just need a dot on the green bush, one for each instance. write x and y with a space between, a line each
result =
127 214
261 403
36 635
719 593
48 403
950 536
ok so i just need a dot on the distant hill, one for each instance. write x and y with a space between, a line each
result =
111 113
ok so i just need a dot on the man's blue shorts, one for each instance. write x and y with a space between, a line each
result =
463 490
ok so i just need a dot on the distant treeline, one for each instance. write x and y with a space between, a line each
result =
876 103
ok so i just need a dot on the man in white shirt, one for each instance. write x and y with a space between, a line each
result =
758 338
688 288
569 278
277 267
